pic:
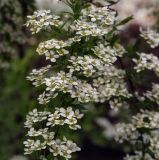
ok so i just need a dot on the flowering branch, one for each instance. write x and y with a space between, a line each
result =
83 69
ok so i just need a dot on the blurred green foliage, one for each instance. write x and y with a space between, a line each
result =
15 91
15 102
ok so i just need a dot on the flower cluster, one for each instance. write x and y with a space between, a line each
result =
108 88
53 49
87 65
42 19
154 145
117 104
139 155
103 16
144 119
46 137
37 76
143 129
125 132
108 54
151 36
95 21
152 142
65 116
147 61
67 84
154 94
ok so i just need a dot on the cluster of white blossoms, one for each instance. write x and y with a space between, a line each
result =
53 49
65 116
154 144
42 19
146 119
46 136
143 129
124 132
95 21
108 88
147 61
57 147
150 140
103 16
130 131
151 36
86 65
139 155
154 94
106 85
106 53
117 104
37 76
66 83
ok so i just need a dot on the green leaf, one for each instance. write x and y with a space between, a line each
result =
124 21
112 2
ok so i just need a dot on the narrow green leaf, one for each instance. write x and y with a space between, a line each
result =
124 21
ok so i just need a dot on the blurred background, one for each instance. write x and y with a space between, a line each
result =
18 57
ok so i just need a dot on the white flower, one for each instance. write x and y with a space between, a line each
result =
108 54
49 138
126 132
38 145
151 36
37 76
86 65
60 117
154 94
53 49
110 87
34 117
68 113
42 19
146 119
117 103
64 148
147 61
54 119
154 144
130 131
94 21
139 155
45 98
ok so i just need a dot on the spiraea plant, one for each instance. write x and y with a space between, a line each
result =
84 60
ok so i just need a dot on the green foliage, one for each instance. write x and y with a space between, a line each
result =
15 91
